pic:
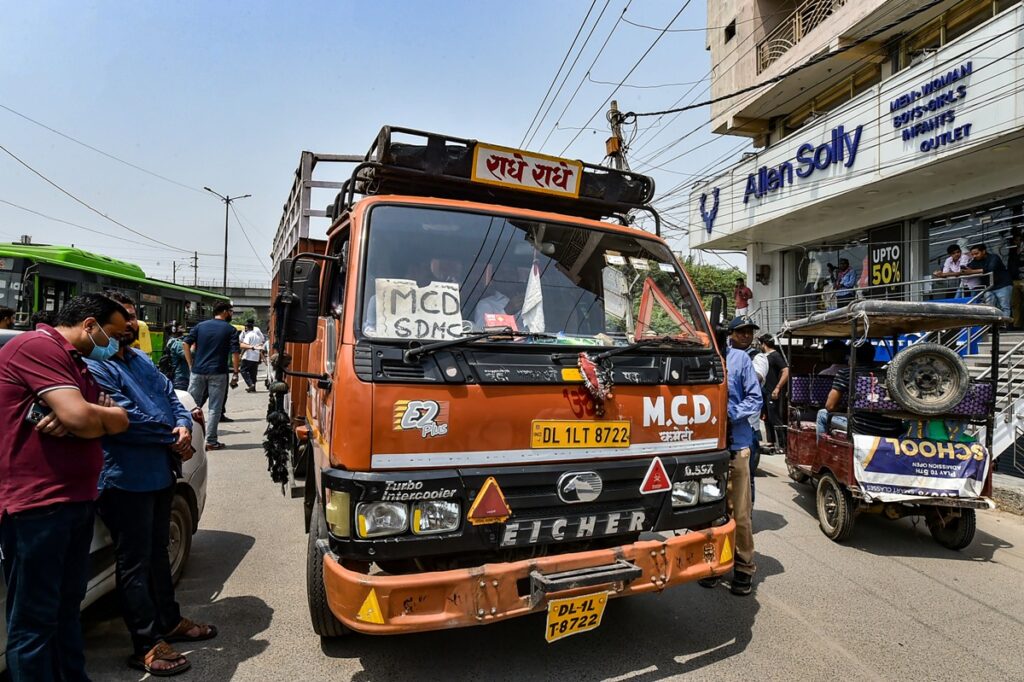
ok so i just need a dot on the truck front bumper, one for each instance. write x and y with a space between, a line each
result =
391 604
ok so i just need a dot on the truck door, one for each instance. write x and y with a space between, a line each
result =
332 317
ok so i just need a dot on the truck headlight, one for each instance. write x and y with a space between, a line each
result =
435 516
377 519
684 493
711 489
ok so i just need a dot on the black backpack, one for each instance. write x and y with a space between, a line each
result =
166 363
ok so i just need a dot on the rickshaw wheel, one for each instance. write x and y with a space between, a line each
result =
835 509
957 532
927 378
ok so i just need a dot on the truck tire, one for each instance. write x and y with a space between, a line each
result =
835 509
927 378
179 544
324 622
957 532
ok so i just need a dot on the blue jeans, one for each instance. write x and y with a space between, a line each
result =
46 568
838 421
1001 299
214 387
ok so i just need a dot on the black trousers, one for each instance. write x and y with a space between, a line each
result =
249 369
139 524
774 421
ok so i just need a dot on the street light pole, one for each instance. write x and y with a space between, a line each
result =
227 208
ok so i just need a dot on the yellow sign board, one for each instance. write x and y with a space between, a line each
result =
517 169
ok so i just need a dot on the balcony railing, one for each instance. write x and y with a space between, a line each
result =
808 15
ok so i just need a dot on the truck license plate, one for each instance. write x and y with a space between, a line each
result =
553 433
574 615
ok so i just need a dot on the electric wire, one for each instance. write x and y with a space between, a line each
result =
247 240
86 204
554 79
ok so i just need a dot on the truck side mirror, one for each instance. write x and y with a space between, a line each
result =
304 303
716 312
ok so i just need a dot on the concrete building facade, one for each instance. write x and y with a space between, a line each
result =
901 137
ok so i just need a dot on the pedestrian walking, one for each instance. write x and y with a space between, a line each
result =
214 341
741 295
744 401
251 342
140 470
52 415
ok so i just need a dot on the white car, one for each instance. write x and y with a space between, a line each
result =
189 500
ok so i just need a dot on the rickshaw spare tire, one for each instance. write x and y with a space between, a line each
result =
927 379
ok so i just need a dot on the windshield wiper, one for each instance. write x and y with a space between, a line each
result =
416 352
652 341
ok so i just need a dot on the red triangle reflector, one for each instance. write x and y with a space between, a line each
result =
656 479
489 505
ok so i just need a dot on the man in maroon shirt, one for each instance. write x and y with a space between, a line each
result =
741 297
52 415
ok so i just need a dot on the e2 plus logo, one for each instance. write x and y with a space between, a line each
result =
682 410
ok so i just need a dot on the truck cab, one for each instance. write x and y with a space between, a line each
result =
510 402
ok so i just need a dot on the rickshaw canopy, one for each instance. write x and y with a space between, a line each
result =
886 319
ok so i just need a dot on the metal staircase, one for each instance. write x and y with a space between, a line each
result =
1008 439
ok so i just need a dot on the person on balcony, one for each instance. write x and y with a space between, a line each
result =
845 283
956 261
1000 286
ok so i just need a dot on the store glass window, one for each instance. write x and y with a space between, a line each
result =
992 225
819 278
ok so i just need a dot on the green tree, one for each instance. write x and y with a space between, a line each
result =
713 278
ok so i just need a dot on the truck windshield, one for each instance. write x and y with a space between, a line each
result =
435 275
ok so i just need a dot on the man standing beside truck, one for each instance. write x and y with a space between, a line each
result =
214 340
48 483
744 401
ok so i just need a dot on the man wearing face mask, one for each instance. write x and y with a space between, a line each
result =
52 415
214 340
140 468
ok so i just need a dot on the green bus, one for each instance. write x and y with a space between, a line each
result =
36 277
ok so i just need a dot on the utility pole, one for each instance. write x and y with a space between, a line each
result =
195 268
174 272
227 209
615 146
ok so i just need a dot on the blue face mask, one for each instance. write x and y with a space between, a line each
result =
106 352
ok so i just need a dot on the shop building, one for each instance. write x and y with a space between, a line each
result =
883 151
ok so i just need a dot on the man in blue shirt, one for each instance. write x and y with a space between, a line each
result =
744 402
140 469
214 340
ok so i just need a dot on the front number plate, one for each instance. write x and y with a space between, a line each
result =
574 615
553 433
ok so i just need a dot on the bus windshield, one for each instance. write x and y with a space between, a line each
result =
434 275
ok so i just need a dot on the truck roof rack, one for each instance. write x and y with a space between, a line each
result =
436 165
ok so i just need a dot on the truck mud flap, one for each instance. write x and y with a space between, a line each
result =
542 584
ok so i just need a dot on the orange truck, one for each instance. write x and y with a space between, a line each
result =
496 396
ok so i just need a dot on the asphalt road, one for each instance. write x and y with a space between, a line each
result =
888 604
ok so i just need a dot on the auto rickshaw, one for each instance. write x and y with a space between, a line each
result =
908 432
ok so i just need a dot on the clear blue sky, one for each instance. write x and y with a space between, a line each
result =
226 94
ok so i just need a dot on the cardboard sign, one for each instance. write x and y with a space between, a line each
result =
408 311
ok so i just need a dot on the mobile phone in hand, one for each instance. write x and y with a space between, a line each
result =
37 412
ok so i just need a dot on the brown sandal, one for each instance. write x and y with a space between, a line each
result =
161 652
179 633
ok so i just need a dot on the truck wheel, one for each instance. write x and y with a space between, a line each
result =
927 378
835 509
179 544
957 532
324 622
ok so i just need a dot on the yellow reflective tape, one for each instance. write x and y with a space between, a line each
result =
370 610
726 552
571 374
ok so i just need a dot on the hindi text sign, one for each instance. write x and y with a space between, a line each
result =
524 170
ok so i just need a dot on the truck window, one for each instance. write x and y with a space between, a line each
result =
434 274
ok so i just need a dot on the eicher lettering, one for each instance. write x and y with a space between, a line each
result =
840 149
565 528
